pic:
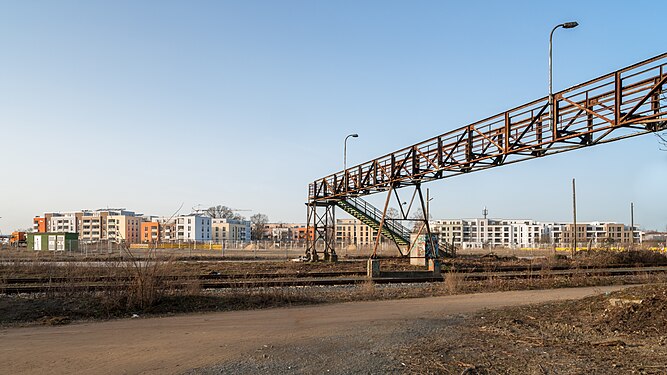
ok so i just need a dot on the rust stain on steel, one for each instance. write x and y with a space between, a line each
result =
618 105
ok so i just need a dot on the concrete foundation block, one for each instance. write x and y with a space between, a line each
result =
373 269
434 266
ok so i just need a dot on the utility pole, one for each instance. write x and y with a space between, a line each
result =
574 215
632 225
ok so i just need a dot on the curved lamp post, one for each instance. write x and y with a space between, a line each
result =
355 135
566 25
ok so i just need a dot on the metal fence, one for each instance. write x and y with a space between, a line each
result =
266 249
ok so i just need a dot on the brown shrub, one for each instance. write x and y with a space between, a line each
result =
453 281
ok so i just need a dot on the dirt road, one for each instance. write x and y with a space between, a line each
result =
357 337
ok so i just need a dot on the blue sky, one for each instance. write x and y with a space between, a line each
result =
150 104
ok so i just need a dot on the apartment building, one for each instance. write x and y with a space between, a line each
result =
284 231
281 234
223 229
67 222
595 233
655 238
166 229
124 228
64 223
119 225
39 224
354 232
301 232
150 232
42 224
479 233
93 228
186 228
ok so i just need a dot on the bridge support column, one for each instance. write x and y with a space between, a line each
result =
373 268
321 231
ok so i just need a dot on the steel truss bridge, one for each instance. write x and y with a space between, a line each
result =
626 103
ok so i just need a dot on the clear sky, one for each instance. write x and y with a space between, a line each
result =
152 104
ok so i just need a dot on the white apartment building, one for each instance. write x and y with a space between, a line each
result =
65 222
281 234
187 228
478 233
230 230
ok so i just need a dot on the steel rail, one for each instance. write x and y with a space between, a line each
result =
267 275
394 277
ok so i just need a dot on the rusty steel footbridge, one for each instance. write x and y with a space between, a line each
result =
626 103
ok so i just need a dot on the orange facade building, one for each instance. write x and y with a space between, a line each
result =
303 233
150 232
39 224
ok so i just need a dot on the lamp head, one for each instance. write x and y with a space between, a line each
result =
570 25
355 135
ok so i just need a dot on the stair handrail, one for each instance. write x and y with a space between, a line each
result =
375 214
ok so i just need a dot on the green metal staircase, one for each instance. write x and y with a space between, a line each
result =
371 216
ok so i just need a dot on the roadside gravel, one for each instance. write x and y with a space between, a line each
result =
369 349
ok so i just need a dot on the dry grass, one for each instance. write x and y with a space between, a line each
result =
150 291
453 281
147 279
368 289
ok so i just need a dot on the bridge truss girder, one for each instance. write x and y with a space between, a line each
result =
629 102
626 103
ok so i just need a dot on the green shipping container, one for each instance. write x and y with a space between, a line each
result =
53 241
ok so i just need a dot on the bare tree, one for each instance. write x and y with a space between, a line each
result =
663 141
418 220
222 212
393 213
258 221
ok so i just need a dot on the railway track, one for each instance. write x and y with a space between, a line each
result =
471 271
268 280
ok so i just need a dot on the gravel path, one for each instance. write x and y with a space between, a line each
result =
346 338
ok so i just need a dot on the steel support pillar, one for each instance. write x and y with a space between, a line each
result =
321 231
432 251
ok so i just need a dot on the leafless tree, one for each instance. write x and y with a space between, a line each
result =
418 217
662 140
258 221
222 212
393 213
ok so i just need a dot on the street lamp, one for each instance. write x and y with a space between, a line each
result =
355 135
566 25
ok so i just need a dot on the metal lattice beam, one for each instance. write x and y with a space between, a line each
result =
321 232
622 104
